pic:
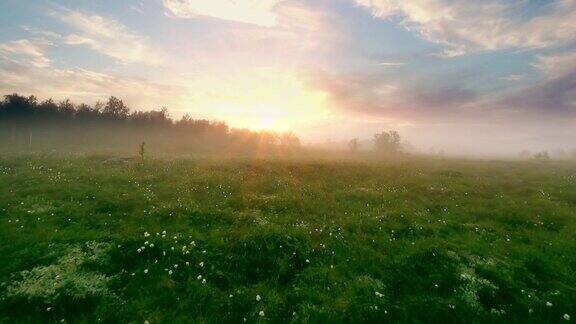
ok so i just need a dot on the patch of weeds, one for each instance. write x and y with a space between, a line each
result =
65 283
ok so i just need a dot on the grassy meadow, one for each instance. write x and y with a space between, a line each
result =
92 238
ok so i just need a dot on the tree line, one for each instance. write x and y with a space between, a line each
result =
27 123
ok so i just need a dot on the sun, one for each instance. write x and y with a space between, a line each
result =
273 101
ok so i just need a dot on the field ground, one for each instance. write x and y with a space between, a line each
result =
89 238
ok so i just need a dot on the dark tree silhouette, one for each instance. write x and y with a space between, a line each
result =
115 109
112 125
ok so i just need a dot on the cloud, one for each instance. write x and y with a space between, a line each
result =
443 97
303 36
553 97
109 37
381 96
556 65
27 48
81 85
256 12
513 77
391 63
467 26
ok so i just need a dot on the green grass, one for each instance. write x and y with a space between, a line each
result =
319 241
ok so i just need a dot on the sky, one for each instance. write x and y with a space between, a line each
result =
468 77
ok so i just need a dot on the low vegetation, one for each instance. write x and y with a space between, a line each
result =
95 238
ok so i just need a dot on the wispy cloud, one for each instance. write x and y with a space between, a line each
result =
109 37
481 25
257 12
82 85
552 98
32 51
376 95
556 65
391 63
513 77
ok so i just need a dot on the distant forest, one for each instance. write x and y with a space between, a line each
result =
27 124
